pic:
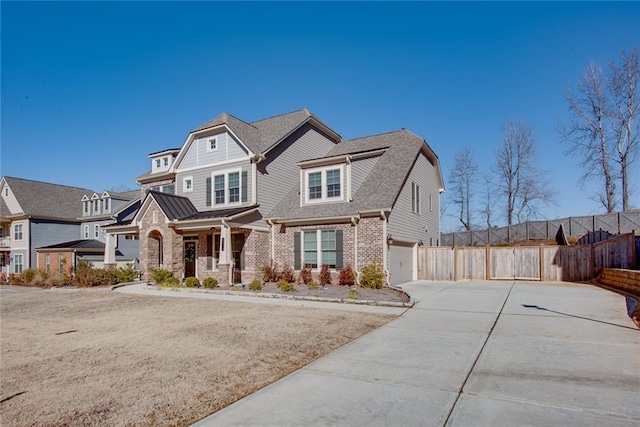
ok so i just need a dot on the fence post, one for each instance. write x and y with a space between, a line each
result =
487 260
542 279
619 231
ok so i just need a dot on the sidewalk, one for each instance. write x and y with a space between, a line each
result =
470 354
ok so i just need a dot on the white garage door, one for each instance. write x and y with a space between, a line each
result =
400 264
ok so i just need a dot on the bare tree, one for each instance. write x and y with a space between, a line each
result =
517 178
623 116
488 200
588 136
462 179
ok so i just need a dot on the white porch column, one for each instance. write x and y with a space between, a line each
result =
225 244
110 249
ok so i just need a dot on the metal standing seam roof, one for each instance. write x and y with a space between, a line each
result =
77 244
378 191
174 207
44 199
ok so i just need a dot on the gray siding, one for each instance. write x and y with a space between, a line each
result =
198 195
360 170
408 226
91 225
197 155
279 174
45 233
128 248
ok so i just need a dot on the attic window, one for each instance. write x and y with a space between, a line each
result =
212 145
324 184
165 161
157 163
6 191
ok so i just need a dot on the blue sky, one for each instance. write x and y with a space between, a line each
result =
90 89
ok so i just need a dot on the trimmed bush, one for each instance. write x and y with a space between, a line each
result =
270 272
191 282
305 275
325 275
347 276
160 275
287 274
126 273
88 277
255 285
210 283
353 294
171 282
372 276
285 286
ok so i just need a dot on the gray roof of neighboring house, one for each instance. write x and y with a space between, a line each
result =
125 195
219 213
379 190
43 199
174 207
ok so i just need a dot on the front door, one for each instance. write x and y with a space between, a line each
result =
189 259
237 245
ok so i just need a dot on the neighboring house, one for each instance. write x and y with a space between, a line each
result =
239 195
42 222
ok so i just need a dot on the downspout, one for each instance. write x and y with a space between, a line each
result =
385 249
354 221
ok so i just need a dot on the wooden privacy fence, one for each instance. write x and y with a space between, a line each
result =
544 263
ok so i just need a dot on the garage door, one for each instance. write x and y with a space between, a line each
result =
400 263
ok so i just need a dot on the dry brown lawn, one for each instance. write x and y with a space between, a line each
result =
95 357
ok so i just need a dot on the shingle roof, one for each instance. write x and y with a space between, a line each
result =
43 199
174 207
379 190
125 195
77 244
219 213
261 135
4 209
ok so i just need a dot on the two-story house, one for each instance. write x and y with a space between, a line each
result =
239 195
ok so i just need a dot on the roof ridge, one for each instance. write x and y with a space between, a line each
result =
239 119
50 183
280 115
378 134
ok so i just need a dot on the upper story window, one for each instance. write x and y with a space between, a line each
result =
17 232
96 206
212 144
324 184
85 234
415 198
6 191
85 207
107 205
165 161
230 187
187 184
96 231
158 164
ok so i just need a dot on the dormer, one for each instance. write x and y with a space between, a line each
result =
96 202
325 180
86 206
106 202
162 161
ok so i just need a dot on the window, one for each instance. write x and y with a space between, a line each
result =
324 184
17 232
212 145
85 207
96 231
18 263
415 198
165 161
430 202
315 248
86 232
6 191
169 189
234 187
155 217
187 184
61 262
315 185
130 237
96 206
106 205
157 163
219 189
47 262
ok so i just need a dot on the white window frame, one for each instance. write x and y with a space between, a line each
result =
96 231
106 205
85 232
415 198
319 256
18 230
17 257
227 192
323 170
165 162
85 207
212 145
158 164
187 184
47 262
155 217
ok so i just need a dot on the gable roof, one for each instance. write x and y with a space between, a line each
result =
382 186
174 207
4 209
44 199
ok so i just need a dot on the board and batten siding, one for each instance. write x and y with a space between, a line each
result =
412 227
279 174
360 169
198 195
228 148
46 232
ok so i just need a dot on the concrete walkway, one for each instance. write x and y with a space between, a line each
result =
470 354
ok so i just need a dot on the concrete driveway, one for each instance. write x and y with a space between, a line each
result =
470 354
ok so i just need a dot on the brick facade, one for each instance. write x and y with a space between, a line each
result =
54 261
151 235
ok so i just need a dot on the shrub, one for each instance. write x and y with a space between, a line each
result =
28 275
126 273
84 263
353 294
15 279
160 275
287 274
325 275
255 285
210 283
191 282
234 288
270 272
170 282
285 286
305 275
372 276
347 276
57 278
312 284
40 278
87 277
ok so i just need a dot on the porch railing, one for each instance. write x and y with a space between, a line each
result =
5 242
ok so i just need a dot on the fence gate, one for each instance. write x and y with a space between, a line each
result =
515 263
